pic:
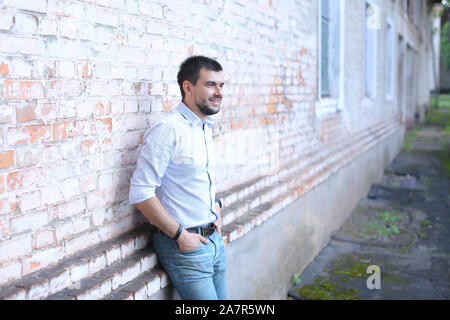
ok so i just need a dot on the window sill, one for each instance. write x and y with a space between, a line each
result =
368 102
327 107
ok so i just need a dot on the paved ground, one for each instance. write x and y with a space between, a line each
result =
402 227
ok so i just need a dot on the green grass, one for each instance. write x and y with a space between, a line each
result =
444 101
410 138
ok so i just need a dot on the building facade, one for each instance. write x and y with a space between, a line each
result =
317 98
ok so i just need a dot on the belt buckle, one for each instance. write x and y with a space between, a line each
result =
207 231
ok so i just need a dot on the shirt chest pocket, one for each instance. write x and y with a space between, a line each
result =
186 157
190 149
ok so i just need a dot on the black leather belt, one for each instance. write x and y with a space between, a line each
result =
204 231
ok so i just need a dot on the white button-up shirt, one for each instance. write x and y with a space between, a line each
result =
177 164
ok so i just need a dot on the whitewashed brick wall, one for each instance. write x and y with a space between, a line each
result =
81 81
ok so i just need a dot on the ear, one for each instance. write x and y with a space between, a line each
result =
187 88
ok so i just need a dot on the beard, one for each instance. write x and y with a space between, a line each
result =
206 109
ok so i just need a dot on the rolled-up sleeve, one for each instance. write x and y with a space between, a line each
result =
153 160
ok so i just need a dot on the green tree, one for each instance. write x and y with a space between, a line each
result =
445 44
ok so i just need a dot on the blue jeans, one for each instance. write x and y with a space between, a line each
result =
197 274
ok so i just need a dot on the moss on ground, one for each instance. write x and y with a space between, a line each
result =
324 289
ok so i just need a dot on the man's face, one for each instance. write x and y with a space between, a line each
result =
207 93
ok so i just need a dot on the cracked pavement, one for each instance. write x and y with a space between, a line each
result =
402 227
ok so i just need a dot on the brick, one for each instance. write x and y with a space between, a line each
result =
7 113
25 24
60 192
4 227
113 255
29 221
59 282
128 274
23 90
65 170
6 159
79 271
81 224
10 271
6 20
8 204
88 183
100 15
26 112
28 157
39 290
149 262
102 108
127 248
35 5
15 248
130 106
63 230
67 109
30 200
68 27
2 184
97 292
70 150
98 216
29 134
43 238
141 294
65 8
21 45
26 178
70 129
88 146
153 286
4 68
101 70
65 48
70 208
96 264
85 70
48 27
65 69
103 126
105 181
92 200
81 242
50 153
132 123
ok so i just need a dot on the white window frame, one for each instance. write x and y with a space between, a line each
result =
327 105
370 100
390 44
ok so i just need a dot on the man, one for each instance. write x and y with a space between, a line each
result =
173 185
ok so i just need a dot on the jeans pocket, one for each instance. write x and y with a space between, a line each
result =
199 248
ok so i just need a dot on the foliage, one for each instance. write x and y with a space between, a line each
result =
445 44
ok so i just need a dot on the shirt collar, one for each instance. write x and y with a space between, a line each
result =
192 117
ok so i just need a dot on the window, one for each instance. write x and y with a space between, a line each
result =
417 13
372 15
389 60
329 53
324 45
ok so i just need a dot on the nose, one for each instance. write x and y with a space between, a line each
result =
218 92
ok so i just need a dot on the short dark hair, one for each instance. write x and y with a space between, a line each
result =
190 69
